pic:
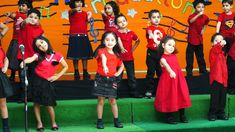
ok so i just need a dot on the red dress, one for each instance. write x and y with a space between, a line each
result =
172 93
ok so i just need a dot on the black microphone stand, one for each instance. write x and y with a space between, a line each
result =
26 83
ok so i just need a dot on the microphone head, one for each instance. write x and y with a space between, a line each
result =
21 48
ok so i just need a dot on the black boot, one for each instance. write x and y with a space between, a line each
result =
86 75
76 74
100 124
170 119
183 118
117 123
5 125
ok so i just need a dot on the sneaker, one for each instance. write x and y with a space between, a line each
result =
100 124
222 117
148 95
117 123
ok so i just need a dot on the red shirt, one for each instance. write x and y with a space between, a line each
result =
126 39
27 35
16 25
112 62
78 23
195 29
218 66
2 57
158 32
45 69
227 27
109 24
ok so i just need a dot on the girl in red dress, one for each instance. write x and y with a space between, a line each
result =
110 67
43 92
218 79
172 93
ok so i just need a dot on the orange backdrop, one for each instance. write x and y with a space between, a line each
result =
175 13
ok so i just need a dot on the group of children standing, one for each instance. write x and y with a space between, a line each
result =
116 53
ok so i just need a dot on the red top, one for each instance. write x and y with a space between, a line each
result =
2 57
195 28
126 39
218 66
27 35
78 23
16 25
158 32
109 24
112 62
232 51
45 69
227 27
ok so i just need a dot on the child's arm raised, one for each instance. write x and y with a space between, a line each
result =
4 29
29 60
120 69
168 68
65 68
104 63
11 15
104 15
195 17
6 63
218 26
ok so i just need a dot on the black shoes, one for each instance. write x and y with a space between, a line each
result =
219 117
136 95
76 75
86 75
183 119
148 95
171 120
212 118
222 117
99 124
117 123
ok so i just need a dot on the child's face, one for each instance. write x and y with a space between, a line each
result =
78 3
227 7
122 22
200 7
155 19
23 8
42 45
110 41
218 40
169 46
109 9
34 19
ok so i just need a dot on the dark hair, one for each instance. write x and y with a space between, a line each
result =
34 10
214 35
153 11
164 41
72 3
116 48
120 15
115 7
27 2
196 2
42 54
227 1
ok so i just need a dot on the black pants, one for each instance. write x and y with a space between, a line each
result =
130 70
231 73
218 99
198 49
153 66
229 42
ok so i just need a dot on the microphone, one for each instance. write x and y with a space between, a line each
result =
21 49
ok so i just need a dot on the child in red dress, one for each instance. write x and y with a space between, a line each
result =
172 93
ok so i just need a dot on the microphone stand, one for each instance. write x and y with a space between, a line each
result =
26 83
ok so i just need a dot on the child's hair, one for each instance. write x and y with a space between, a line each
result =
214 35
27 2
115 7
116 48
196 2
34 10
153 11
42 54
227 1
120 15
72 3
164 41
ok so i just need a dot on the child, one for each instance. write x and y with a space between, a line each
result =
106 80
225 24
79 44
218 78
172 93
197 24
111 11
5 85
43 91
154 34
18 17
126 37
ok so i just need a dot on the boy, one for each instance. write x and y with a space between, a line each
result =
154 34
197 24
125 37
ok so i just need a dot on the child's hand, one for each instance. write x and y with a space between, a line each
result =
4 69
22 65
223 43
172 74
102 12
8 14
105 69
201 13
53 78
123 50
28 20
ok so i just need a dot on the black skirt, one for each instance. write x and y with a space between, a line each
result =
105 86
79 48
12 55
5 86
43 92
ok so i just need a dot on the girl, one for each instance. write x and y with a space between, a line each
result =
218 78
79 44
111 11
43 92
6 89
106 80
172 93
